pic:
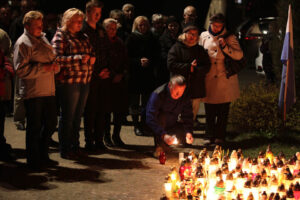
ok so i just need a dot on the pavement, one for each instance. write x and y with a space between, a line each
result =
117 173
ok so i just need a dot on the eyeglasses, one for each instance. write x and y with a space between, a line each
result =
192 34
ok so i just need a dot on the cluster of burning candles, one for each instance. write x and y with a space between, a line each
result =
234 177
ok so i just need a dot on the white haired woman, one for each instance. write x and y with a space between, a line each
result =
76 58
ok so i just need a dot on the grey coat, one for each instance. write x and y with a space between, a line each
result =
30 55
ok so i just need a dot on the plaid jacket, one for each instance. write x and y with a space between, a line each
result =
70 51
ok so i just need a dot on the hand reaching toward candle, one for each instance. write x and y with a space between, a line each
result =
169 139
189 138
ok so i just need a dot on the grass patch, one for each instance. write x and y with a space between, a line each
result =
252 143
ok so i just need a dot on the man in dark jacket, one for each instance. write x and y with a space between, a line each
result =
169 114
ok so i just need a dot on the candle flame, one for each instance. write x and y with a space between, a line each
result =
175 141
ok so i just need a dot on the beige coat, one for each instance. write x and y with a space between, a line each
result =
219 89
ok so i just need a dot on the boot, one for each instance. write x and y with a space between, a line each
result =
116 136
107 139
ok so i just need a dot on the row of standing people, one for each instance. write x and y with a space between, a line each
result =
87 75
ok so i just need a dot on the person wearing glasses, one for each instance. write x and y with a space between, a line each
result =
190 60
220 90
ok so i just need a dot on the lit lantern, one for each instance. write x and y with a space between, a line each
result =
281 190
269 154
168 190
297 191
274 184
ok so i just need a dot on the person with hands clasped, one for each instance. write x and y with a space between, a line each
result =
220 90
35 66
169 115
190 60
75 56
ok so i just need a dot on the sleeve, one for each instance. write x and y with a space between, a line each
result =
187 116
203 62
152 112
175 65
233 48
59 45
134 60
24 68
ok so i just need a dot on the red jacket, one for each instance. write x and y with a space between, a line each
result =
6 69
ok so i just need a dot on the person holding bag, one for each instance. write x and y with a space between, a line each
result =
221 89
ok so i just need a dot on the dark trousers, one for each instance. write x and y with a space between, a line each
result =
117 122
2 122
72 98
41 122
138 103
216 119
96 110
177 130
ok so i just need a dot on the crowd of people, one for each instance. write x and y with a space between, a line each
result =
72 66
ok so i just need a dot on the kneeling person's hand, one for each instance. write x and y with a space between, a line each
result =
189 138
168 139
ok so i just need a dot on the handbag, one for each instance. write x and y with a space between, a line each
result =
233 66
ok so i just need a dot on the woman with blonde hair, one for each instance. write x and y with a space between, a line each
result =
144 52
76 58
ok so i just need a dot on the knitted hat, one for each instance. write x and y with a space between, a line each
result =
189 26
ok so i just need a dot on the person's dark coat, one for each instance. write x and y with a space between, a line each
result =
142 79
180 58
161 103
118 64
166 42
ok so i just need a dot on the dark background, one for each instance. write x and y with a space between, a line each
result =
142 7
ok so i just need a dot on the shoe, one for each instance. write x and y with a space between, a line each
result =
186 145
157 152
107 141
117 141
219 141
53 143
49 162
35 167
21 126
138 131
99 146
90 148
69 156
8 156
81 153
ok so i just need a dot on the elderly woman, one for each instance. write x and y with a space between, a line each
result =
118 64
189 59
220 90
143 51
35 67
76 59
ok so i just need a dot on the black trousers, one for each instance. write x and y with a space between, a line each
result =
177 130
41 122
216 119
2 121
96 110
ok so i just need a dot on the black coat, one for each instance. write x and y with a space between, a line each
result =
180 58
141 79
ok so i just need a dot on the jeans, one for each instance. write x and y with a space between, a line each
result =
72 98
41 122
